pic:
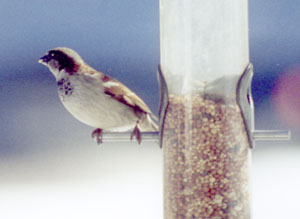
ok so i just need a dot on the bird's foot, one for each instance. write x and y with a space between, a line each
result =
97 133
137 133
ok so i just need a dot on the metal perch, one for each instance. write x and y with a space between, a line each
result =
258 135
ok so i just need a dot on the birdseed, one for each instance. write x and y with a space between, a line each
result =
206 156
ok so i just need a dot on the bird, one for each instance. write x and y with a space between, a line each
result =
96 99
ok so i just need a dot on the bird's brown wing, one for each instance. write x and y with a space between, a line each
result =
121 93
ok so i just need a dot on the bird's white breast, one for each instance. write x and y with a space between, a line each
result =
83 96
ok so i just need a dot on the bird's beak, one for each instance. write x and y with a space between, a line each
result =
44 60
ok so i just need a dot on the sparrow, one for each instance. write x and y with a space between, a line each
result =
95 98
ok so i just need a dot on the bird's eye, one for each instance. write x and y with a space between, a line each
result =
52 54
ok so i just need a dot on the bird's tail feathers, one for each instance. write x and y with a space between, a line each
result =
154 117
148 125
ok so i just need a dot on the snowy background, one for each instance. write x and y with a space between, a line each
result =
50 167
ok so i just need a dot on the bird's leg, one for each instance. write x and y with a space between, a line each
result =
137 133
98 134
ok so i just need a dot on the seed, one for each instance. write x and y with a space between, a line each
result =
206 174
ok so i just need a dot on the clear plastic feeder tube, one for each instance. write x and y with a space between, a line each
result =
204 51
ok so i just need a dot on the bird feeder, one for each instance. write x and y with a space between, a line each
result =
206 112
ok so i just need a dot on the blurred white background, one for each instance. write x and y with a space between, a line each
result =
49 165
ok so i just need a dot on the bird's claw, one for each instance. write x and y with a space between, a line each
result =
97 133
137 133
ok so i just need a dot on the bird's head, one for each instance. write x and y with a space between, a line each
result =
62 58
